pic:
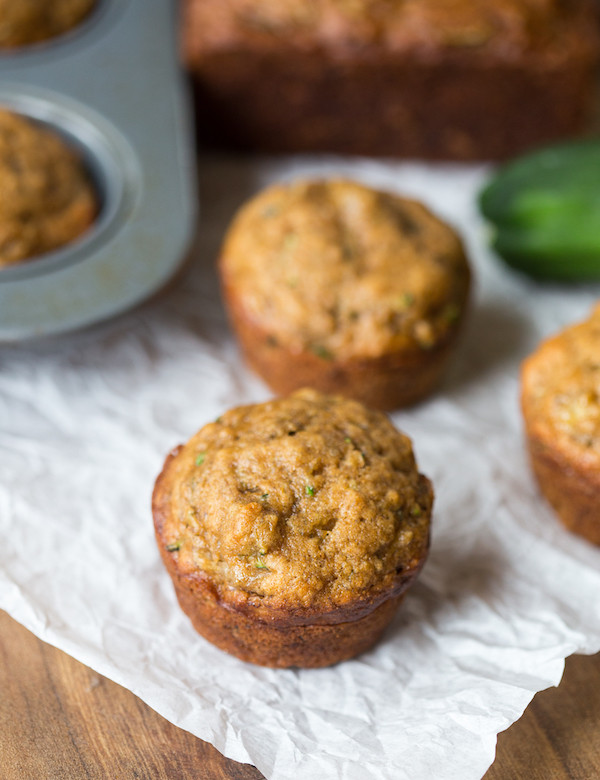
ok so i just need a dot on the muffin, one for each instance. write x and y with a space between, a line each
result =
440 79
29 21
561 406
292 529
336 286
47 197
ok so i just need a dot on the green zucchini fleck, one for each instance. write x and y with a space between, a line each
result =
322 352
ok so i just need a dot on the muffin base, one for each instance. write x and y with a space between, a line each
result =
387 382
572 489
275 639
274 644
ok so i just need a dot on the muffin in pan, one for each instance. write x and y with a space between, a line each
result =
561 407
48 199
292 529
24 22
336 286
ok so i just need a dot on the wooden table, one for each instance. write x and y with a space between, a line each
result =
61 721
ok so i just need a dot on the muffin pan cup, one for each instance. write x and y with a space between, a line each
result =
112 88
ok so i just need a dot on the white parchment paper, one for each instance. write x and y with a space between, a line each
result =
507 594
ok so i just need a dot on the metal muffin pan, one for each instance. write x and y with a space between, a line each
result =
113 89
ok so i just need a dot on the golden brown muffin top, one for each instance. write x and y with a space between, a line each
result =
350 27
345 271
30 21
47 198
561 390
305 501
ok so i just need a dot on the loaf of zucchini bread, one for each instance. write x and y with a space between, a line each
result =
439 79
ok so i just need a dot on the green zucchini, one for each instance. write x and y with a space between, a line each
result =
545 211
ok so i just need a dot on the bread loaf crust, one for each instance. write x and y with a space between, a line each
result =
466 81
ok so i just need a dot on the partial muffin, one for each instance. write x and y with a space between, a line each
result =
333 285
450 79
29 21
48 199
561 406
292 529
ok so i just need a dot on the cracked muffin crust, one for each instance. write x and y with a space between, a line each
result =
561 406
334 285
31 21
291 529
48 199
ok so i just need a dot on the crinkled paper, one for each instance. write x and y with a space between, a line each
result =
507 594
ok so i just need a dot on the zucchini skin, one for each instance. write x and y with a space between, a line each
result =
545 210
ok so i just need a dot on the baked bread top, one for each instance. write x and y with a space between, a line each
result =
561 392
508 28
344 271
310 503
47 198
30 21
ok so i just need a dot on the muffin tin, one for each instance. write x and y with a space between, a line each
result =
113 88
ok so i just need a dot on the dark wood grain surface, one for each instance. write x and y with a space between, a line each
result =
60 720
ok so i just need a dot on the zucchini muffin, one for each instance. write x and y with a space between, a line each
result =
561 407
30 21
333 285
292 529
47 197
